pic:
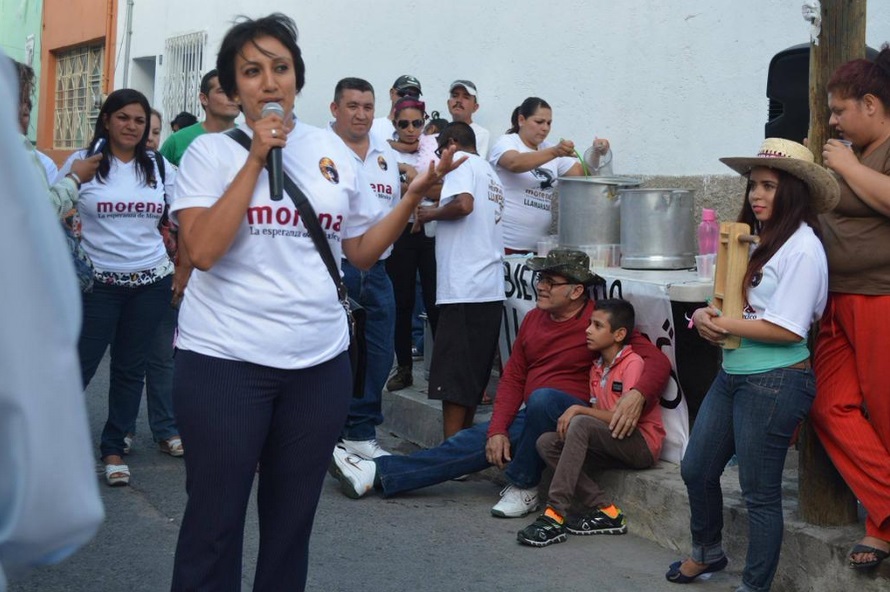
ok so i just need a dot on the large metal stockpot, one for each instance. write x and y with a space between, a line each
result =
589 210
657 229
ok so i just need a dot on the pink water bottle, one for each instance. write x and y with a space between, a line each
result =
708 232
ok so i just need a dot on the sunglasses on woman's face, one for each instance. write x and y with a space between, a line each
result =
415 123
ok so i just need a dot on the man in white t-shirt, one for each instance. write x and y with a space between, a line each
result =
463 102
470 280
405 85
353 111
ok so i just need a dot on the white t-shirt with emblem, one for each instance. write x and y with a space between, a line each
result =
470 250
791 291
529 195
120 215
270 299
380 169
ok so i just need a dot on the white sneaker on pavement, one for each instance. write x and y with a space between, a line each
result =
356 474
367 449
516 502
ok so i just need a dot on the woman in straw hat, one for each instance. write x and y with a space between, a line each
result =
851 415
766 386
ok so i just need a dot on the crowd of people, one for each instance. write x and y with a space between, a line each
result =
190 252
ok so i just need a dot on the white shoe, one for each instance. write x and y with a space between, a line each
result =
356 474
516 502
367 449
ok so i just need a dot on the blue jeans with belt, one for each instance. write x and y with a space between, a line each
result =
754 417
373 290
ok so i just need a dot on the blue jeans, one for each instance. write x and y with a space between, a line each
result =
753 416
464 452
126 319
373 290
159 379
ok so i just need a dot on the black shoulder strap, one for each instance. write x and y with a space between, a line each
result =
307 214
161 169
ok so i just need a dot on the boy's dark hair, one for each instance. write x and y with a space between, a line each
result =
351 83
182 120
246 30
621 314
460 132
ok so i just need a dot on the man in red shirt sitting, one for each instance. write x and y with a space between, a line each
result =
548 371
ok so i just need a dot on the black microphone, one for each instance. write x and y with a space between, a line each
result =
273 164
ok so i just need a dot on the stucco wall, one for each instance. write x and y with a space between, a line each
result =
674 85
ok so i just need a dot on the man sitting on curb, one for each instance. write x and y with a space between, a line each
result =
550 351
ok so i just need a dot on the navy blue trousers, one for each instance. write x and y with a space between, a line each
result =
233 416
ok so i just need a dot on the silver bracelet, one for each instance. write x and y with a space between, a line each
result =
75 178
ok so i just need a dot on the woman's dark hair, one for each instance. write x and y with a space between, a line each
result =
246 30
26 81
409 102
791 206
158 113
116 101
526 109
857 78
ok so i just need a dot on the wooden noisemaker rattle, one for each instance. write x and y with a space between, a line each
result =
729 273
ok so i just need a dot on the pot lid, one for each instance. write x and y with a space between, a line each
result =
624 181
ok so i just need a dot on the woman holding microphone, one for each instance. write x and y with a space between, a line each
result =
529 166
262 373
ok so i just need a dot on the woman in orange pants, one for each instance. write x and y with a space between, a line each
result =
851 412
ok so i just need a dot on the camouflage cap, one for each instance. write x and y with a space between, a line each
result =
571 264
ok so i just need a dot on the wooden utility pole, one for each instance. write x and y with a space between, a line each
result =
842 39
825 499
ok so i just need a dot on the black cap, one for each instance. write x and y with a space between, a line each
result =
407 82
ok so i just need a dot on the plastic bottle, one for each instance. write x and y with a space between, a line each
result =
708 232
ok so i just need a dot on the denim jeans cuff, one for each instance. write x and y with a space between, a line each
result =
707 553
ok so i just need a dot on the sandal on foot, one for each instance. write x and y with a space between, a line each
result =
676 576
172 446
860 548
117 475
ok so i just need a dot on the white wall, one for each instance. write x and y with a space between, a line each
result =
673 84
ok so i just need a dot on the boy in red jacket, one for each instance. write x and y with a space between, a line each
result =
583 442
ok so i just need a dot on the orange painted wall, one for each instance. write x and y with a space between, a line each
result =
67 24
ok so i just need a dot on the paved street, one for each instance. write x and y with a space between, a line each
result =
441 539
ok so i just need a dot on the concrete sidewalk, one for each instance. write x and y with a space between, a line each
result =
655 501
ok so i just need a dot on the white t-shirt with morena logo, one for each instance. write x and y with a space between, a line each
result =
380 168
529 195
270 299
470 250
120 216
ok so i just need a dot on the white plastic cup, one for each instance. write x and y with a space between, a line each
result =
544 247
705 266
847 143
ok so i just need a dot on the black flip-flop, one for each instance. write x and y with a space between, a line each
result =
860 548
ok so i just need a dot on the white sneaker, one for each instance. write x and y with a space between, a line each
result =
367 449
356 474
516 502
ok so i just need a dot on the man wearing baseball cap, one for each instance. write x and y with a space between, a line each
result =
548 371
462 103
405 85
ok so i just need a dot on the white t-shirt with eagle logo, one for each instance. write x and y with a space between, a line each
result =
270 299
528 196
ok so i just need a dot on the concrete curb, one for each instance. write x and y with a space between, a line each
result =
655 501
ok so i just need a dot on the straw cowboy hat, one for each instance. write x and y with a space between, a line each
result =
569 263
795 159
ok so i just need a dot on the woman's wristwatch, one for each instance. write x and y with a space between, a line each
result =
74 177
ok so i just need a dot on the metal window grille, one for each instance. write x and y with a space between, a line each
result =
184 68
78 95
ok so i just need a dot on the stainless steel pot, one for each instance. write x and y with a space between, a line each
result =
657 229
589 210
